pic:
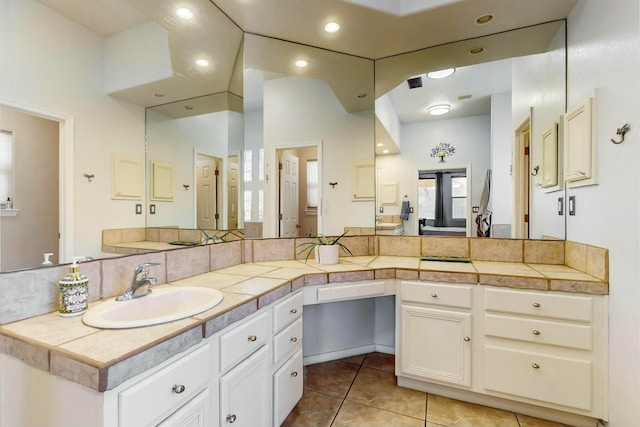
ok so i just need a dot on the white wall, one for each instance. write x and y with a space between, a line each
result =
501 159
58 65
604 60
298 111
471 138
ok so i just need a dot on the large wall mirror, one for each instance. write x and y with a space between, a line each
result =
506 91
250 110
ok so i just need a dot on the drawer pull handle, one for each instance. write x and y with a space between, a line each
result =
536 332
434 295
467 339
535 366
252 338
231 419
536 305
293 311
294 374
179 388
294 339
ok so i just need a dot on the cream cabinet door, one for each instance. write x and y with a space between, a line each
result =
245 392
435 344
194 413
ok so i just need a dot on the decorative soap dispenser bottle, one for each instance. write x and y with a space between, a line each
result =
74 291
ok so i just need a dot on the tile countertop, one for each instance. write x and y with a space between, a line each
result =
101 359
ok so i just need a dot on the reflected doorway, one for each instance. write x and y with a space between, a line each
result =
442 202
298 195
232 191
208 192
522 179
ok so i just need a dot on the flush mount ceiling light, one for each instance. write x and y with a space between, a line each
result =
202 62
301 63
332 27
184 13
441 74
438 110
484 19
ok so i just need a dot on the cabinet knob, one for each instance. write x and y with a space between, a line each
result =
536 305
536 332
252 338
467 339
293 311
434 295
294 339
178 388
535 366
231 419
294 374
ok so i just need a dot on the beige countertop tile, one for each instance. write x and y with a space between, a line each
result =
256 286
506 269
249 270
360 260
298 264
211 280
229 302
51 329
563 272
337 268
444 266
287 273
395 262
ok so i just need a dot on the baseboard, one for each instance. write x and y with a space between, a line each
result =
341 354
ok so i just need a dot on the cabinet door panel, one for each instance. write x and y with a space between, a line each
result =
244 392
287 387
194 414
435 344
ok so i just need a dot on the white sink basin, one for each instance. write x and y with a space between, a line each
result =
164 304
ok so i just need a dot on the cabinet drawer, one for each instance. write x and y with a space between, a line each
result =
538 331
162 391
287 341
243 340
356 290
287 311
541 304
435 294
287 387
562 381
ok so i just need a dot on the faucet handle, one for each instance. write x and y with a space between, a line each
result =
144 266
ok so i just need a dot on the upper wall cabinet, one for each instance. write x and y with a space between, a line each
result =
579 156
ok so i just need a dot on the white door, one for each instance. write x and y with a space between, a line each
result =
207 194
244 393
436 344
289 195
233 193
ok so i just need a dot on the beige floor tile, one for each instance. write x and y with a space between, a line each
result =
353 414
382 361
376 388
527 421
313 410
455 413
332 378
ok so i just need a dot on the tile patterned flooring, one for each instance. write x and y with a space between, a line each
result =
362 391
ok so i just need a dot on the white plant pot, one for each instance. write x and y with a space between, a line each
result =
327 254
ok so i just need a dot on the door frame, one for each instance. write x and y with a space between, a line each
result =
66 139
521 181
221 193
446 166
271 210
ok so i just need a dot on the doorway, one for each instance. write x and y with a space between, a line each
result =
442 202
521 179
298 191
232 192
208 192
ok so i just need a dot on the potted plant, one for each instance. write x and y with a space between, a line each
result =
326 249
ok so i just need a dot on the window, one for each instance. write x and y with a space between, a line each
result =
312 184
6 166
260 205
442 198
248 166
247 205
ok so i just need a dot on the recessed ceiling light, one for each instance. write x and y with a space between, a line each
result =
188 107
158 95
441 74
301 63
438 110
484 19
332 27
385 151
379 144
476 50
184 13
202 62
362 95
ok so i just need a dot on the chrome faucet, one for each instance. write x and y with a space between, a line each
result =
140 284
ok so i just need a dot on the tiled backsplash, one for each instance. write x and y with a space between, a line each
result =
29 293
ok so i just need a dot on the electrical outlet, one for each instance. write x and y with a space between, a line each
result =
560 206
152 209
138 209
572 205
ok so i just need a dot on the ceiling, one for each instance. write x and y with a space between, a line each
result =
367 31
